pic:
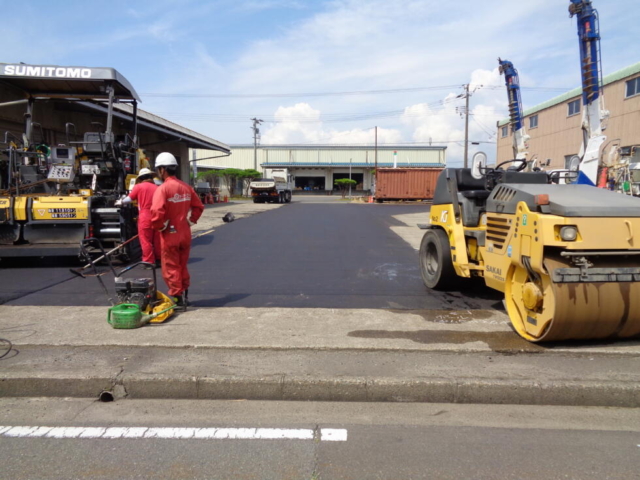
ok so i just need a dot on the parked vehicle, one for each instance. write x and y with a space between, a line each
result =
277 189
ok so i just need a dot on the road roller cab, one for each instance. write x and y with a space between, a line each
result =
566 257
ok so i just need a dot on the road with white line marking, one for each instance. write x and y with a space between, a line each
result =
162 439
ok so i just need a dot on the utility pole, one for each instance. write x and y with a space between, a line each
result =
256 131
375 169
466 126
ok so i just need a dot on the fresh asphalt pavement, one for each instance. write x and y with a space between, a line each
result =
310 253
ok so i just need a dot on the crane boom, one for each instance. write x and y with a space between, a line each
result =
512 81
593 114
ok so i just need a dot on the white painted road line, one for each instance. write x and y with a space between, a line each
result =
333 435
326 434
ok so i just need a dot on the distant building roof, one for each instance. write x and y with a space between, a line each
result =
611 78
342 147
347 164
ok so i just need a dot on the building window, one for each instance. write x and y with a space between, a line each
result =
505 131
633 87
574 108
533 121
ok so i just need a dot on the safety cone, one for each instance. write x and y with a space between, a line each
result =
370 199
603 178
225 200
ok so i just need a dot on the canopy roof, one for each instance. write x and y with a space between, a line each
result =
54 81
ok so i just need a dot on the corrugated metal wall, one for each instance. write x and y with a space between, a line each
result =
406 183
406 157
242 157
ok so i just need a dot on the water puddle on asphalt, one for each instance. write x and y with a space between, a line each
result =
499 342
452 316
391 272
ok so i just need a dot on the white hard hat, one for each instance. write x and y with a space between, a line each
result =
145 171
165 159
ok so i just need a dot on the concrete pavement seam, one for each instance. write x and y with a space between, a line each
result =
346 389
403 349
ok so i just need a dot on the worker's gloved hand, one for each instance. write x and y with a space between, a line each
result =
191 224
166 224
118 203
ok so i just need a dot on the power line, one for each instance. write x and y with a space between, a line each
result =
482 127
311 120
434 108
307 94
360 144
332 94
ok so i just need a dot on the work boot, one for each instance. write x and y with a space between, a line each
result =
180 302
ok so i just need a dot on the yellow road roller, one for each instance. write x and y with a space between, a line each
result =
566 257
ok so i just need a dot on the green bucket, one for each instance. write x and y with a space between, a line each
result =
125 315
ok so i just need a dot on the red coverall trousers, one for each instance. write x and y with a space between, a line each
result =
148 236
149 239
170 208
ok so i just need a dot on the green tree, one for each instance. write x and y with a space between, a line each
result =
249 175
229 175
208 176
343 184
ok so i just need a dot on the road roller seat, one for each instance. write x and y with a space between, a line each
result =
471 193
472 197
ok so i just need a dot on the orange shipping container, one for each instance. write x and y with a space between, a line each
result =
406 183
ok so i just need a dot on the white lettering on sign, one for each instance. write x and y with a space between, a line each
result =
177 198
62 210
53 72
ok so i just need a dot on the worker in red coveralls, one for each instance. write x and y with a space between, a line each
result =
174 209
149 237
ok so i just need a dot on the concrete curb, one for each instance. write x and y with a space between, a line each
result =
341 389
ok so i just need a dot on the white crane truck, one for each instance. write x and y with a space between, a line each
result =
277 189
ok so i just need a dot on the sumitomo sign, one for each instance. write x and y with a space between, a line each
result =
46 71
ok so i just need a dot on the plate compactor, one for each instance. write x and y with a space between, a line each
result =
138 300
566 257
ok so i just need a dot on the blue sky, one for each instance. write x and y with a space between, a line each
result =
230 49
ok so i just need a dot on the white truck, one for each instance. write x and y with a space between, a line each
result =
277 189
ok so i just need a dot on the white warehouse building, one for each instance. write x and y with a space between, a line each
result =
315 167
